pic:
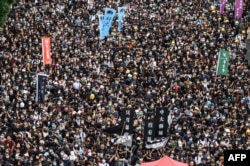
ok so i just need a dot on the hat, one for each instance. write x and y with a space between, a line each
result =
77 85
21 105
212 8
196 108
92 96
127 71
135 73
226 20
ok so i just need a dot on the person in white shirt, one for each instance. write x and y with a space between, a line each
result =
72 156
103 163
248 33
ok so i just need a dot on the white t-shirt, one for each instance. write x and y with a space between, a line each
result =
248 33
103 164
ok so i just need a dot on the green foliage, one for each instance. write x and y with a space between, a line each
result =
8 1
4 10
11 1
3 19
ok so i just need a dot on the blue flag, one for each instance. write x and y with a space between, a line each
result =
101 17
107 21
121 12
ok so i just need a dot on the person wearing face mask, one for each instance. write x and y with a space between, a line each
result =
72 156
202 140
54 163
103 163
198 158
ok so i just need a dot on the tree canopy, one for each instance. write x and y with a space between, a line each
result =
5 7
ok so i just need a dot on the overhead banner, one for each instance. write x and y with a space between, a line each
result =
107 21
162 121
40 87
46 51
222 6
223 62
238 8
121 13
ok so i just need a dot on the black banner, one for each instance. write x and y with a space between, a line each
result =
149 131
162 121
40 87
114 130
126 124
127 120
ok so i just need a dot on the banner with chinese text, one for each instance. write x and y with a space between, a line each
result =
162 121
238 9
40 87
46 51
223 62
128 120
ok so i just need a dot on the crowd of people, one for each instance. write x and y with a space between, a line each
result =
168 50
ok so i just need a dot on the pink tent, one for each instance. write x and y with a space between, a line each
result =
165 161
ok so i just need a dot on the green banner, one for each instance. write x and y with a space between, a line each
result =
223 62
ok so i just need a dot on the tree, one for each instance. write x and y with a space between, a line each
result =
5 7
3 19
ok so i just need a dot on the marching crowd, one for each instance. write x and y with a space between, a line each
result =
167 51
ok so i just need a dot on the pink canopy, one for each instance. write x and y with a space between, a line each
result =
165 161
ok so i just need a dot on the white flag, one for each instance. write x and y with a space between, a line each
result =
125 140
156 144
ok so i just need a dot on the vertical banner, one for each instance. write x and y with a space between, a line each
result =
223 62
40 87
46 51
107 21
222 6
101 17
162 121
149 131
238 8
121 13
128 120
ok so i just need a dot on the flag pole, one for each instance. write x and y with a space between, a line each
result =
123 125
